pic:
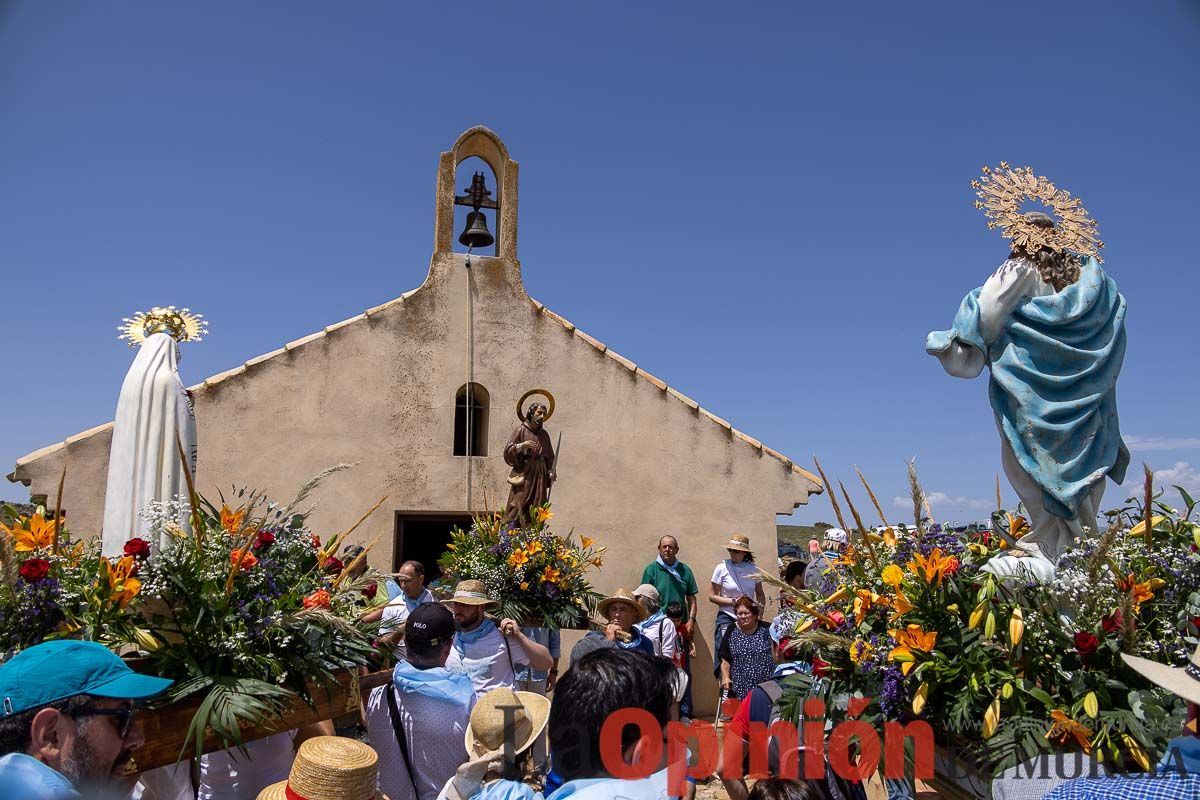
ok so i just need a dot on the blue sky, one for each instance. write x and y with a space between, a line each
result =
765 204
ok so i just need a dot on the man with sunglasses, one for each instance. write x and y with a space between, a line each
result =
67 720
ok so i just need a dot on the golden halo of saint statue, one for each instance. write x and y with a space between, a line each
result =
1002 191
181 324
536 393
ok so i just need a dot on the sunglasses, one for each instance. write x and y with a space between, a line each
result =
122 716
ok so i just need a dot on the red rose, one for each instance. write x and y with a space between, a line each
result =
1086 644
138 548
332 565
820 668
1112 622
1196 621
265 539
369 591
34 569
837 618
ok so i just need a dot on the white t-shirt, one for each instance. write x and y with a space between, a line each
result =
229 775
735 580
436 731
661 634
395 614
487 661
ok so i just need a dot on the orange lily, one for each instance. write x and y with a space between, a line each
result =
318 599
533 548
902 606
551 575
1140 592
863 603
34 533
122 588
912 639
586 542
846 559
518 558
231 521
933 567
1065 728
1018 526
542 515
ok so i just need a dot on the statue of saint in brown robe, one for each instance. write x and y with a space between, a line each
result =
531 457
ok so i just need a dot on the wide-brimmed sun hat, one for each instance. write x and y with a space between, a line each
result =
330 768
1182 681
525 713
622 596
739 543
471 593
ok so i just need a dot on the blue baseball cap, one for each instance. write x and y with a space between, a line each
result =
52 671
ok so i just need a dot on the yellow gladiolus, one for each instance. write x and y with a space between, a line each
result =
991 719
1016 627
920 698
1141 530
1091 705
1138 752
977 616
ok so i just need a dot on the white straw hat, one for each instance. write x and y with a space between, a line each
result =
1182 681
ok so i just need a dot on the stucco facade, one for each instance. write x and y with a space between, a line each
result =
639 459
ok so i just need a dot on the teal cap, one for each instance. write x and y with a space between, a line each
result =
52 671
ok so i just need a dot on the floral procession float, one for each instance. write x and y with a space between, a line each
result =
249 612
1004 671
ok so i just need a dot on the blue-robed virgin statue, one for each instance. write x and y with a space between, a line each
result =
1050 326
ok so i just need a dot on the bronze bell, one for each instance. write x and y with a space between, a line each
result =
476 233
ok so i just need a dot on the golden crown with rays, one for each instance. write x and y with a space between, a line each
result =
180 323
1001 192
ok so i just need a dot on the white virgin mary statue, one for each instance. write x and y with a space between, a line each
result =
1050 327
154 416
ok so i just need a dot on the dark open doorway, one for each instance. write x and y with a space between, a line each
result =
423 536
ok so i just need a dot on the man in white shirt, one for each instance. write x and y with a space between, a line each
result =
418 722
392 616
489 653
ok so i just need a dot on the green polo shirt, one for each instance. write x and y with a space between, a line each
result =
671 590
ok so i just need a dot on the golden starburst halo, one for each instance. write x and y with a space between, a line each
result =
1001 192
180 323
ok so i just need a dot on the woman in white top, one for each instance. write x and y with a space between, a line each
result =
733 578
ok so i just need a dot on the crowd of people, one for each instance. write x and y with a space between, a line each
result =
476 707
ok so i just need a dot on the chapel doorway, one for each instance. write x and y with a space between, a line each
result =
423 536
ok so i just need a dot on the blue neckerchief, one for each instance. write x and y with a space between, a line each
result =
423 598
635 640
1188 749
464 638
648 623
438 683
673 571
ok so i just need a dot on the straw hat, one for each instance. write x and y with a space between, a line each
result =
527 713
330 768
471 593
738 542
1182 681
622 596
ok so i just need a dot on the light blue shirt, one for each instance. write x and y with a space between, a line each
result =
651 788
23 777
